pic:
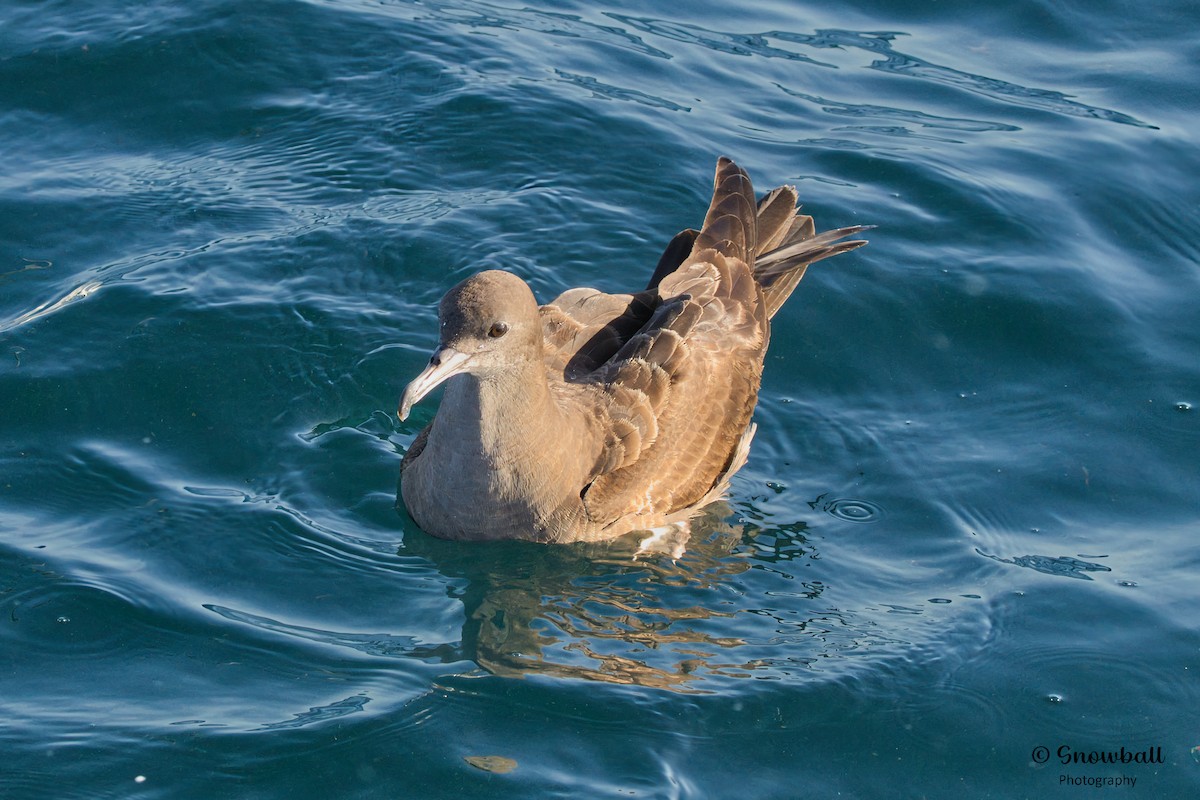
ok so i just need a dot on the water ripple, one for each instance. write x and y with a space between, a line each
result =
849 509
743 44
889 60
607 91
896 62
1120 686
318 714
489 15
922 118
1063 566
70 617
51 306
379 645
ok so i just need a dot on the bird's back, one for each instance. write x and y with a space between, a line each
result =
681 361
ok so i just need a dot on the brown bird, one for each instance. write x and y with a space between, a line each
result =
600 414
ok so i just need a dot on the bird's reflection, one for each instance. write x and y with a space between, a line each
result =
608 611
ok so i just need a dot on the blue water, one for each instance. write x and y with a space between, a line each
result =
968 526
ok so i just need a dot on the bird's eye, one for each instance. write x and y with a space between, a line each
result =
497 330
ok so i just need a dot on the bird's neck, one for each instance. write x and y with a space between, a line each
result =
497 413
512 449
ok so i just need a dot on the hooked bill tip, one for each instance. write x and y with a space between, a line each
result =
445 363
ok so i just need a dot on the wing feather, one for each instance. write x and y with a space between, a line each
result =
674 370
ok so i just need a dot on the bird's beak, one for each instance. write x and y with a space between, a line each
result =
446 362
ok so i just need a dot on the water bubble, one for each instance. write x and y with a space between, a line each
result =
1126 583
1184 407
63 620
776 486
1054 698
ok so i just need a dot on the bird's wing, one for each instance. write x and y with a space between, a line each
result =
681 362
414 449
683 387
682 391
584 328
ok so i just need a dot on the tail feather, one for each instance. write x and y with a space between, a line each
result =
779 271
776 211
727 235
730 224
770 235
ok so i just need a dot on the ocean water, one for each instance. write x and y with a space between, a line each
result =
969 524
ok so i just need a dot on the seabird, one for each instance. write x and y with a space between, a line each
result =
599 414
